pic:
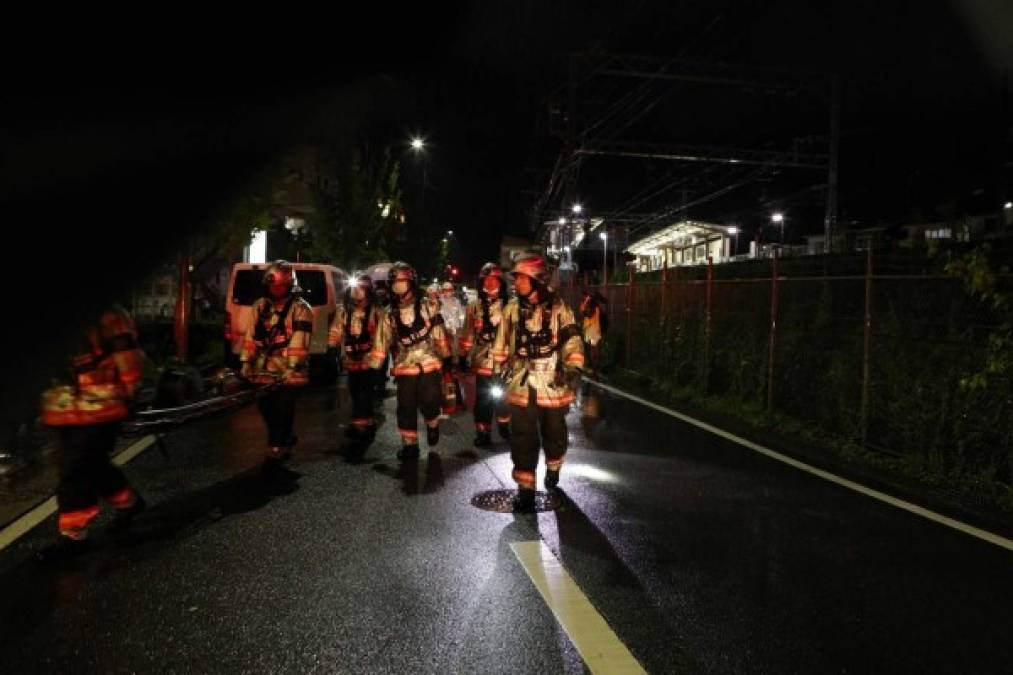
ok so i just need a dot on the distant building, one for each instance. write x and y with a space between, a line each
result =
687 242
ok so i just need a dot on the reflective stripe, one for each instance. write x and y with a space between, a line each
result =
503 420
525 479
123 499
483 426
576 357
431 366
74 523
554 464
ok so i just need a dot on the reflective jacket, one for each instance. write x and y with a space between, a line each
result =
353 332
279 348
533 345
105 375
481 322
590 310
414 333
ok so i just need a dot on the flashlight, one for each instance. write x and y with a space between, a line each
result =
496 391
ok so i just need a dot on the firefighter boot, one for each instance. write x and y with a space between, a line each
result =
551 479
524 502
408 453
124 517
504 430
433 435
483 439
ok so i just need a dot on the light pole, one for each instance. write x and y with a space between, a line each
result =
778 219
604 258
734 231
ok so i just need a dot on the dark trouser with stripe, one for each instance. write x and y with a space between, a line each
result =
486 405
380 383
414 393
277 408
525 424
87 473
361 385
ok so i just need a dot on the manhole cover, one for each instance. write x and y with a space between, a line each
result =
502 501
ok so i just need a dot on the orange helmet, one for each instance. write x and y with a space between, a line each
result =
533 265
280 272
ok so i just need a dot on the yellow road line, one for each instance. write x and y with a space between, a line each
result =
25 523
598 645
984 535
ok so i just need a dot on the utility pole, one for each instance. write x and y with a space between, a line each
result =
830 218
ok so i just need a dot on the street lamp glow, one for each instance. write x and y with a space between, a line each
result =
450 233
777 217
562 220
603 236
577 208
1008 205
733 230
418 143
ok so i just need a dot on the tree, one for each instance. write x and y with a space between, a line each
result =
358 206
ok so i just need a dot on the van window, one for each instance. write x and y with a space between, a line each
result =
249 287
314 286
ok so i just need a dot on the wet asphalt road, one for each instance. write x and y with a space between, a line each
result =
702 556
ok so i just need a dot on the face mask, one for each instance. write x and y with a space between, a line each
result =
278 291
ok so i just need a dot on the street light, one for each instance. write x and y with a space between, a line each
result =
604 257
577 208
1008 206
562 220
778 219
734 231
418 143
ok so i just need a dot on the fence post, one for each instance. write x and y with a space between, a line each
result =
773 330
866 347
630 299
664 297
707 325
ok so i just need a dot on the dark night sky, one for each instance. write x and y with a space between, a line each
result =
123 129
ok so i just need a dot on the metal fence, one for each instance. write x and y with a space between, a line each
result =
871 348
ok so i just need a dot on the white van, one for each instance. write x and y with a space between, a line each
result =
322 286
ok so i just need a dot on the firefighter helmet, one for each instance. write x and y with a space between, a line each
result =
281 273
491 269
533 265
360 279
402 271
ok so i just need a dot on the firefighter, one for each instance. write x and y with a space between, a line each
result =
413 328
539 346
481 322
105 378
353 330
593 324
453 321
276 351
